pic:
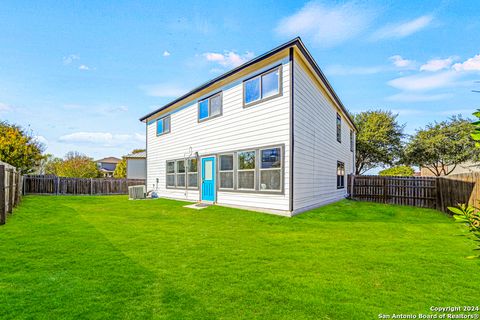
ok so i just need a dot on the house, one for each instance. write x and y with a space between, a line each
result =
466 167
107 166
270 135
136 165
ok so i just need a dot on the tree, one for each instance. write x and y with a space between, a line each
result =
121 169
476 129
76 165
441 146
402 171
19 148
379 139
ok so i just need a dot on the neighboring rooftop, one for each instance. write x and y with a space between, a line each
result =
138 155
109 160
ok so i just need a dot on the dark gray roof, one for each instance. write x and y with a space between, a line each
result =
294 42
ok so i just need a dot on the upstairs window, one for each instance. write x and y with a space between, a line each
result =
163 125
352 141
340 175
262 87
210 107
339 128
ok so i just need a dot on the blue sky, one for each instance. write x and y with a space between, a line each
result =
80 74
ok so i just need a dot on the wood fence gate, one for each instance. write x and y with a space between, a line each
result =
10 190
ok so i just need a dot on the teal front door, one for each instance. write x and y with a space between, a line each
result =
208 179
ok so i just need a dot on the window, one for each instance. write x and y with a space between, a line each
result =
180 173
171 174
261 87
226 171
339 128
192 173
210 107
163 125
271 169
246 170
340 175
352 141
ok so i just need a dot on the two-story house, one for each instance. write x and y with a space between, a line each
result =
270 135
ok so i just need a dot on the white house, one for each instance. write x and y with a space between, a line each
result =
270 135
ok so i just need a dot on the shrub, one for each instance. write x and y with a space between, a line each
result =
467 215
404 171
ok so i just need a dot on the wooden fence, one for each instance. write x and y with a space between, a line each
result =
10 190
49 184
427 192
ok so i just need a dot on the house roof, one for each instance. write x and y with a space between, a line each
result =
294 42
138 155
109 160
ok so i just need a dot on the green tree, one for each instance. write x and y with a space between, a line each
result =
441 146
19 148
379 139
476 129
76 165
121 169
403 171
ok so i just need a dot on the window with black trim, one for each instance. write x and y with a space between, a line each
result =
163 125
340 175
246 170
339 128
352 141
264 86
270 169
210 107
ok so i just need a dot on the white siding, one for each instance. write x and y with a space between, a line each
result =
264 124
316 149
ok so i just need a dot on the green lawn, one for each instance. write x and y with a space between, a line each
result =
107 257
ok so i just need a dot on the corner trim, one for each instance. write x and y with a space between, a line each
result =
292 83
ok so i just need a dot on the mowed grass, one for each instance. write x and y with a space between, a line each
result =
108 258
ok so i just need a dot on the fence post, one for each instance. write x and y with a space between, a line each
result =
17 188
3 209
10 191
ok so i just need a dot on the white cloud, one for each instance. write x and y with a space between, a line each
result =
326 25
404 29
437 64
5 107
417 97
228 59
165 90
472 64
70 58
117 109
349 70
399 62
102 138
424 82
166 53
84 67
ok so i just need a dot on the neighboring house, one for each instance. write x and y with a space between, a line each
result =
270 135
136 165
466 167
107 166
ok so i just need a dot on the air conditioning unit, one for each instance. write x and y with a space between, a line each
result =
137 192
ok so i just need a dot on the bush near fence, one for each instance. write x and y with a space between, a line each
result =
428 192
10 190
49 184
